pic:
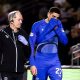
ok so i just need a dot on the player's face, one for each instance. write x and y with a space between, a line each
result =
53 15
17 20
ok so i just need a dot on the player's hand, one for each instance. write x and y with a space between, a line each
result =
33 70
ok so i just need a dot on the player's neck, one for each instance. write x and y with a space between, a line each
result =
46 20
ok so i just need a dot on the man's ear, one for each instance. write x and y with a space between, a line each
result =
12 21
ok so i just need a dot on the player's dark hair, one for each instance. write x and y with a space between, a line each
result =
54 9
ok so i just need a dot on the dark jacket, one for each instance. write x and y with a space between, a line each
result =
11 51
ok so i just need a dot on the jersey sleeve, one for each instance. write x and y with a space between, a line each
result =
61 33
32 40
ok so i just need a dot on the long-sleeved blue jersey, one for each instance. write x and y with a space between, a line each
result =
43 32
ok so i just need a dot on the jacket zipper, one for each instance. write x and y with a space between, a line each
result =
16 50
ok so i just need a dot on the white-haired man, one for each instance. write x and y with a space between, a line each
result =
12 40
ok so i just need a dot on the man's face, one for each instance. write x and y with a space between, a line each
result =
53 15
17 20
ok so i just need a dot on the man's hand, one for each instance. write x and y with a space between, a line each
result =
33 70
23 40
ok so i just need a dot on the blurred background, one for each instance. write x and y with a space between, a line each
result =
34 10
